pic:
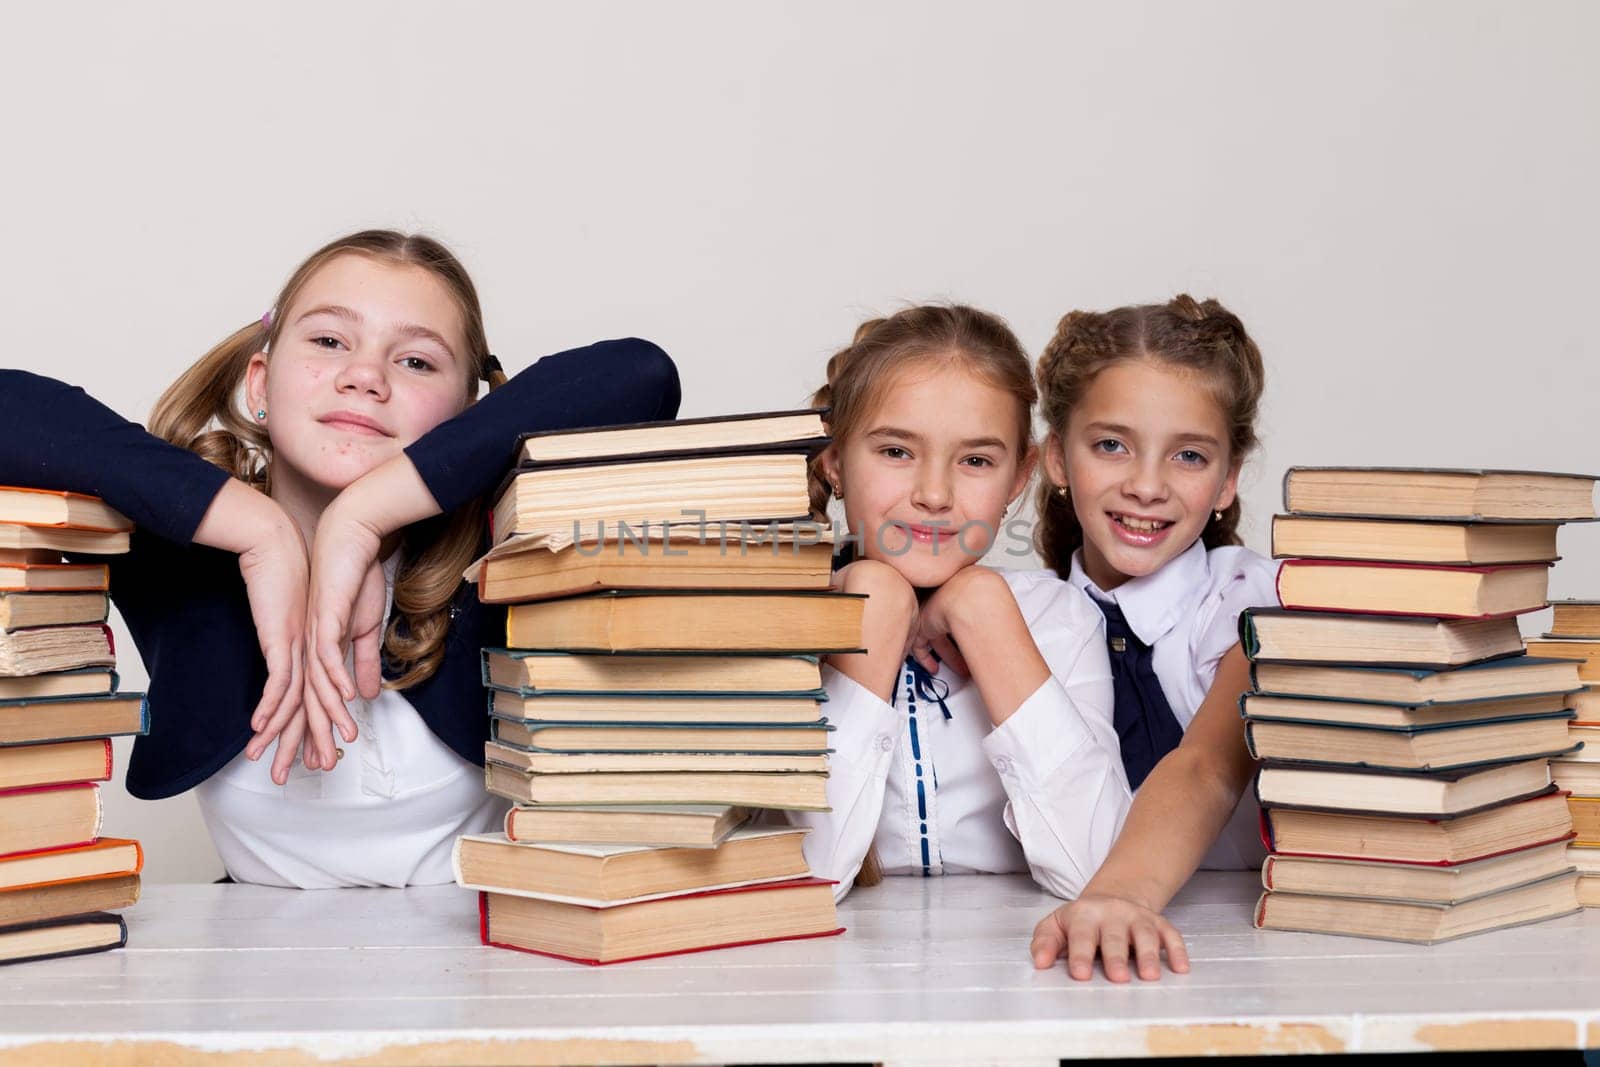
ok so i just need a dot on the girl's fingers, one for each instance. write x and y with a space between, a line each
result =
327 687
320 694
278 671
1114 952
1083 937
369 669
1177 951
330 653
288 746
285 711
1049 941
1147 952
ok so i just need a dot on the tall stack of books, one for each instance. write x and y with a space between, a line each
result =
1575 633
669 604
59 708
1405 735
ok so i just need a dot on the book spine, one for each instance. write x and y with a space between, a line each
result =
1259 921
455 861
106 777
1266 872
1266 824
1248 639
1250 740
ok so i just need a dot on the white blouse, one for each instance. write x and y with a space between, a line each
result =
1043 792
1188 613
387 814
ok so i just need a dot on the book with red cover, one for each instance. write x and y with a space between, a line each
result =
1374 598
768 887
44 817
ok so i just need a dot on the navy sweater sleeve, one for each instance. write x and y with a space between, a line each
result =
186 605
627 380
59 437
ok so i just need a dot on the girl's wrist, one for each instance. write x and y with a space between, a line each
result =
386 499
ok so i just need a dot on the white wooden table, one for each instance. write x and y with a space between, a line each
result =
930 970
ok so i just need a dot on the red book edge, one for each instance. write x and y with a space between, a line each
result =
794 883
47 788
1568 836
99 814
104 776
1481 568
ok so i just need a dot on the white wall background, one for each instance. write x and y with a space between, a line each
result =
1398 198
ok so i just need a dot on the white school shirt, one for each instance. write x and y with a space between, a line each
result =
387 814
1188 613
1044 792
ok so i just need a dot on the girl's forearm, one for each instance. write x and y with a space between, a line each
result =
241 518
1178 812
387 498
995 641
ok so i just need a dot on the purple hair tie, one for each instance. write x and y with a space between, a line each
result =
266 319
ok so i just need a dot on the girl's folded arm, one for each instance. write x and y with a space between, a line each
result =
606 383
59 437
1060 764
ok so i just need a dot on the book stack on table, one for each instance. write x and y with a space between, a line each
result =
59 708
1405 734
668 604
1575 633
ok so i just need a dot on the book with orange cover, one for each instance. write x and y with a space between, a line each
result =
666 926
54 866
54 577
56 507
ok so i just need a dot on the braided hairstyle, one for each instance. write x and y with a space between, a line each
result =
1199 336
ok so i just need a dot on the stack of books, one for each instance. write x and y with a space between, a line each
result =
1404 733
59 708
1575 633
669 602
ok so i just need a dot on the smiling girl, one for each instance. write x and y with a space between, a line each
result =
977 685
1151 413
345 419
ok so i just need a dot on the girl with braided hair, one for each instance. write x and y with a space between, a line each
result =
1151 412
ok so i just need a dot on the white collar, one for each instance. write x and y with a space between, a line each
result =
1153 603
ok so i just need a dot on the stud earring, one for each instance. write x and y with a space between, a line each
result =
261 413
1217 515
1062 491
838 494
